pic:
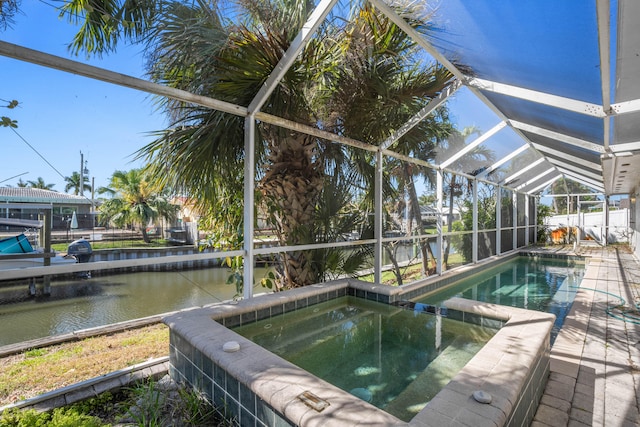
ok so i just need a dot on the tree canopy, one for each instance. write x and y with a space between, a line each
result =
136 202
73 183
348 73
40 183
8 9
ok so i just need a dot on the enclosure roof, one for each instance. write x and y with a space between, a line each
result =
561 80
563 77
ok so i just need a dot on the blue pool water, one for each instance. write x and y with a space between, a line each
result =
396 359
547 285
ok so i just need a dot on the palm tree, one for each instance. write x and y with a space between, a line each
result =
8 9
136 202
204 150
334 84
383 73
455 186
4 120
567 187
39 183
73 183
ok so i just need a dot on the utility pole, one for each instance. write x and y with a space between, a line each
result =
81 174
93 208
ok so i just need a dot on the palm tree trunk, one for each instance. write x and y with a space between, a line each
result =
291 186
391 249
145 236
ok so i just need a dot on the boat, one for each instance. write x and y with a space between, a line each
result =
15 245
17 252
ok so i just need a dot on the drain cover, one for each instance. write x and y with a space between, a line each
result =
231 346
482 396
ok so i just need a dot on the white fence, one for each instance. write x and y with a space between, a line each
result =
592 225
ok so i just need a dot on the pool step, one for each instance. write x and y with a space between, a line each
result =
421 308
430 381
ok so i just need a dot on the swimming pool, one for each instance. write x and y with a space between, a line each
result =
263 389
393 358
542 284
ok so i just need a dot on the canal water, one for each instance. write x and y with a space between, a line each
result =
85 303
102 300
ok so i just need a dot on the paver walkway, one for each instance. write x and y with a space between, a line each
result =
595 360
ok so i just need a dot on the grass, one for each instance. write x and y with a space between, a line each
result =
41 370
115 244
411 272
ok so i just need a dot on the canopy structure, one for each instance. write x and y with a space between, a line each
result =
556 78
560 77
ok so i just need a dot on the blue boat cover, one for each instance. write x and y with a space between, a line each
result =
15 245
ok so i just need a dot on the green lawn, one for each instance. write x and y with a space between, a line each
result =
411 272
116 244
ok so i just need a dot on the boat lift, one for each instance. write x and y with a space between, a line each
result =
44 239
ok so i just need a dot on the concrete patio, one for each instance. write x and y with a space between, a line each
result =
595 360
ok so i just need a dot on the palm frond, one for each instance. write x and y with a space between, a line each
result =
104 22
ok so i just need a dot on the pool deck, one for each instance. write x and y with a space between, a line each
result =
595 360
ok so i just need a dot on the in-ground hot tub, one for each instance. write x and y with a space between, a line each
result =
395 357
263 389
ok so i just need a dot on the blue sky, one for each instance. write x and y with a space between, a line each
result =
61 114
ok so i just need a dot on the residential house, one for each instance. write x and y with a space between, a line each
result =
26 203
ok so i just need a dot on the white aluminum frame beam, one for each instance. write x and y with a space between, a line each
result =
569 104
626 107
417 37
469 147
249 205
308 130
514 231
504 160
604 30
564 165
527 201
535 178
474 226
596 187
316 18
575 176
378 218
422 114
498 217
581 143
590 202
625 148
579 177
96 73
439 221
578 160
599 194
522 171
544 184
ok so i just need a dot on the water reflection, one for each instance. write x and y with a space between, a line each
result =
85 303
535 284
